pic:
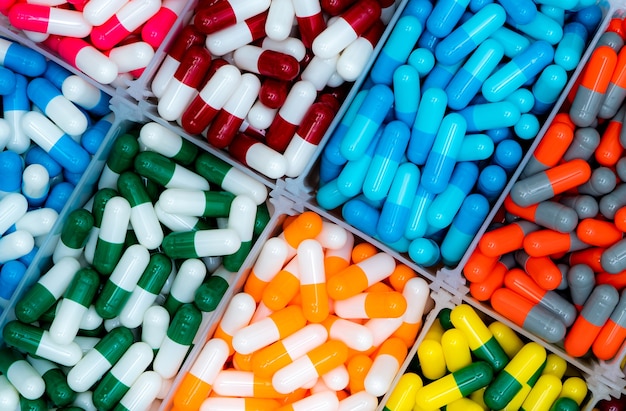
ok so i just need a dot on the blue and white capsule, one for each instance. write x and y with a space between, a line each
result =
15 105
21 59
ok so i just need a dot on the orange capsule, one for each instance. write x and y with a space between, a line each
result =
549 242
614 99
610 150
616 280
620 219
479 266
505 239
550 149
613 333
400 276
541 269
598 233
564 119
616 26
242 362
362 251
483 290
358 366
590 257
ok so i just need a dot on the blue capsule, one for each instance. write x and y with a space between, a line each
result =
444 207
442 158
406 87
28 258
18 99
570 49
368 120
11 168
418 225
467 37
488 116
350 179
467 82
428 41
361 216
328 170
476 5
499 134
445 16
464 228
7 81
397 49
93 137
516 72
422 60
527 126
21 59
424 251
511 41
429 116
554 12
548 88
508 155
11 274
520 11
394 215
72 178
59 195
387 157
332 150
491 181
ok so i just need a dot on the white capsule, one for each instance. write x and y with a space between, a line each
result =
334 39
143 392
354 58
15 245
12 207
175 222
163 76
260 116
35 184
280 19
360 401
183 202
26 379
380 375
266 160
38 222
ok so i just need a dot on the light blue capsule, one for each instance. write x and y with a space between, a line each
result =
424 252
394 215
406 88
445 16
418 8
417 225
361 216
350 179
488 116
329 197
429 116
527 126
440 76
396 49
468 36
499 134
332 150
523 99
554 12
423 60
387 157
512 42
444 207
508 155
568 5
548 88
491 181
516 72
476 5
464 228
366 123
442 158
475 147
467 82
520 11
541 27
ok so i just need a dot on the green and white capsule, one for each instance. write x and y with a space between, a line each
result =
120 284
74 235
156 321
233 180
143 219
261 220
179 337
55 379
147 290
47 290
196 203
74 304
210 293
122 376
121 158
9 397
21 374
110 244
159 139
203 243
188 279
91 320
99 359
97 210
37 404
167 173
142 393
36 341
177 222
241 218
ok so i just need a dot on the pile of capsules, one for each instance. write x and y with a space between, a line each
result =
322 323
52 123
554 262
134 276
270 69
453 100
110 41
466 365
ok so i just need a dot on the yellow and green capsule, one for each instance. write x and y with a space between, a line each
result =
402 398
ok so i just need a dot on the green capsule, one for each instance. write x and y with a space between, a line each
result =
123 153
167 173
76 228
57 389
210 293
229 178
47 290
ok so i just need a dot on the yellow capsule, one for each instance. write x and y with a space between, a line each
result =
555 365
506 337
544 393
463 404
574 388
435 332
402 398
432 360
477 397
456 349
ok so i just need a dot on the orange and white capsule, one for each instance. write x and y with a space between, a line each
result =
234 403
197 383
357 277
236 383
416 293
283 287
270 261
238 314
337 259
305 226
386 364
325 400
372 305
354 335
312 281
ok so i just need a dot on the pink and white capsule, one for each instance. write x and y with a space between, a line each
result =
280 19
97 12
88 59
12 207
50 20
131 56
142 393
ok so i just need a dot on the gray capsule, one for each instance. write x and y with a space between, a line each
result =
532 190
618 316
555 216
613 201
585 107
611 39
601 182
620 167
581 280
613 99
563 268
544 324
600 304
613 259
585 206
584 144
533 167
558 305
